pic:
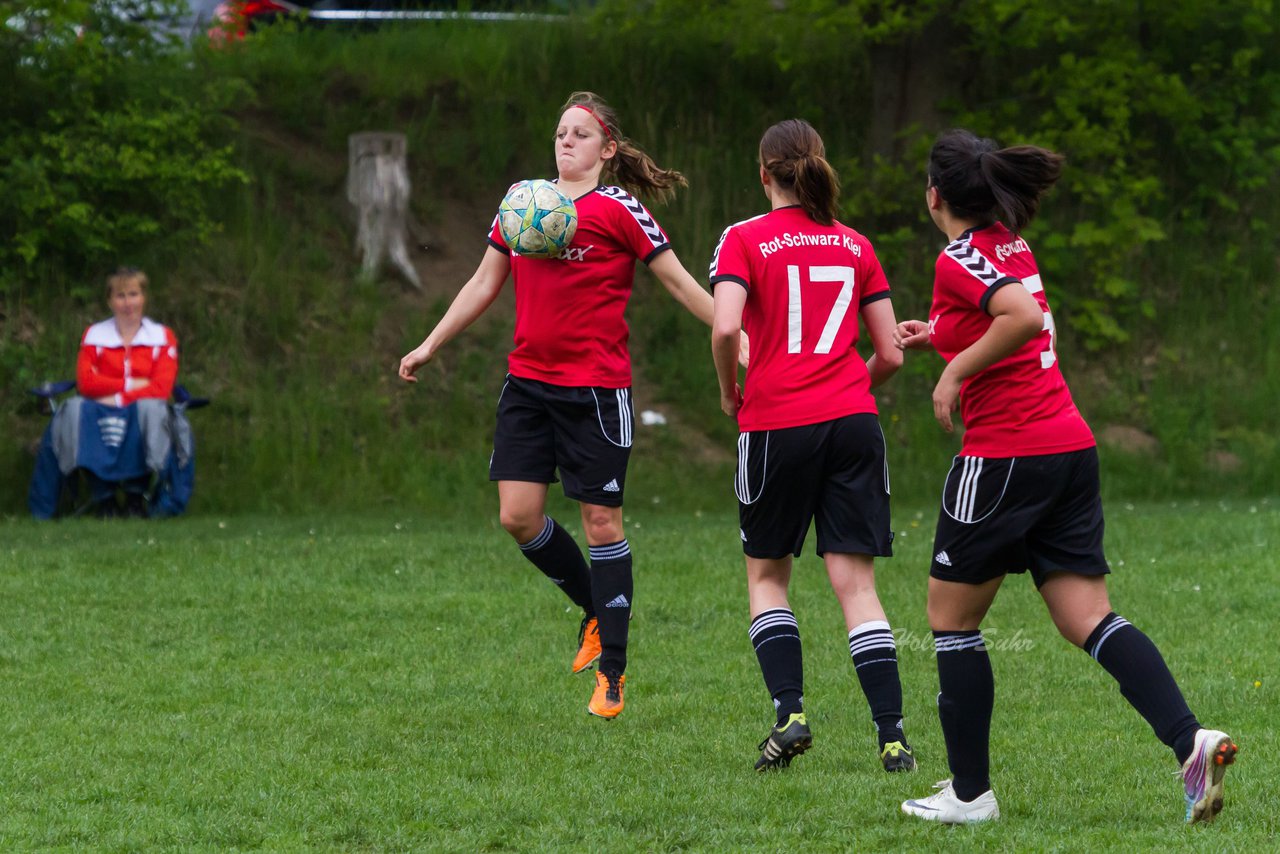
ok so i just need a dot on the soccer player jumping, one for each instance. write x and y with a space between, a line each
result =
1024 491
566 405
810 446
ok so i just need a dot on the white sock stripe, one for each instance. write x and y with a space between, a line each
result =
858 647
542 538
772 638
1118 623
774 612
615 551
770 619
952 643
869 626
875 661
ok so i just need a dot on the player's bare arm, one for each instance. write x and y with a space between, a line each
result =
881 326
726 335
681 285
1016 319
472 300
912 335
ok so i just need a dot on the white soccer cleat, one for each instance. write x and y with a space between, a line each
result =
1203 771
946 808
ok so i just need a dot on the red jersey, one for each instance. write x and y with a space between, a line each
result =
107 367
570 324
806 283
1020 406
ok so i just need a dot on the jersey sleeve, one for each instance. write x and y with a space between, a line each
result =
875 285
164 373
729 262
969 275
636 228
89 380
495 235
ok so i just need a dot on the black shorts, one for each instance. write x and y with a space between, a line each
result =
584 432
833 472
1041 513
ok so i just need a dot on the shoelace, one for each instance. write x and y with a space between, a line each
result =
614 692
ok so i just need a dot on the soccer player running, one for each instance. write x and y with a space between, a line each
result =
1024 491
566 405
810 446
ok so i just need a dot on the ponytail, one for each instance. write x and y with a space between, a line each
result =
630 168
983 183
794 156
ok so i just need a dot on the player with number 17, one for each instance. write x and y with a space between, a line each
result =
810 447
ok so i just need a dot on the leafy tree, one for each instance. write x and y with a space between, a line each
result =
111 139
1169 114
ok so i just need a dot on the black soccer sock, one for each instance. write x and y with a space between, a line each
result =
776 637
964 706
611 591
875 660
555 553
1145 681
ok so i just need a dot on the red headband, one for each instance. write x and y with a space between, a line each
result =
607 135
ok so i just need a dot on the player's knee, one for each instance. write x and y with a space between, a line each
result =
521 524
1076 628
602 527
945 616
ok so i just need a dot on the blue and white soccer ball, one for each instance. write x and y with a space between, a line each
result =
536 219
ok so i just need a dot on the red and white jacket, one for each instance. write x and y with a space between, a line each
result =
107 368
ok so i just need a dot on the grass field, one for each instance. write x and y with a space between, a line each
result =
397 683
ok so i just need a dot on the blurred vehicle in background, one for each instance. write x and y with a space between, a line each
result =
235 18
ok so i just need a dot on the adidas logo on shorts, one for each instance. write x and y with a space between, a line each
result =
612 486
619 601
943 558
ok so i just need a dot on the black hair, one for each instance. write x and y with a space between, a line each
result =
980 181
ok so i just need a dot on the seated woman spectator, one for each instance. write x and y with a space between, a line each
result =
123 359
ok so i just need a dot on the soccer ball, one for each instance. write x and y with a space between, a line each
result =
536 219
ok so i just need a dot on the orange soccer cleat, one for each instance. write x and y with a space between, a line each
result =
588 645
606 700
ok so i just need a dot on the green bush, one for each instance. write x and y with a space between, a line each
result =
111 141
1165 292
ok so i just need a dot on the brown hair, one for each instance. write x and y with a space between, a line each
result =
794 156
980 181
123 276
630 167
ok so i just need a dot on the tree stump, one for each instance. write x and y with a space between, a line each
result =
378 187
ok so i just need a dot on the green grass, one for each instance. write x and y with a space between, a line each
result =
395 682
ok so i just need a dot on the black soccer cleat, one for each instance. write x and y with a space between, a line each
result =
896 756
784 743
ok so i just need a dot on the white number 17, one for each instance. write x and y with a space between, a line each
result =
841 275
